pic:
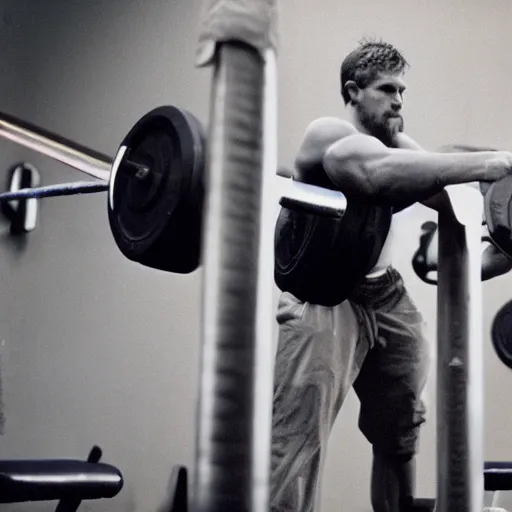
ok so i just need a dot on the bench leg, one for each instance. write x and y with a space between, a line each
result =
490 498
71 505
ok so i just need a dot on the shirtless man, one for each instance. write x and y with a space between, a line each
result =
374 340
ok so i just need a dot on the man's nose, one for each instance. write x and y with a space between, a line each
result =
397 103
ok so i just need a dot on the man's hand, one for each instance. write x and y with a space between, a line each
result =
499 166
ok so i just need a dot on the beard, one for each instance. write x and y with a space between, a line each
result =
383 129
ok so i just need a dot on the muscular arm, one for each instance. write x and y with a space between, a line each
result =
468 148
438 201
362 165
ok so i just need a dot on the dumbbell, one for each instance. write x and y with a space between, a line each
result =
496 255
495 262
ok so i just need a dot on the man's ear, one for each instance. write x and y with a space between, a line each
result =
353 91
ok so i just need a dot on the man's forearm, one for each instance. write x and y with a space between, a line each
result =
464 148
421 175
362 165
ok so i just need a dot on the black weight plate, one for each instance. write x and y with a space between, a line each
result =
156 220
497 210
501 333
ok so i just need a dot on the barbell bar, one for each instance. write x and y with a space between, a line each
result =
100 166
59 148
152 126
157 177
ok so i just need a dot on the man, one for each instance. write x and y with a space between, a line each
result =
374 340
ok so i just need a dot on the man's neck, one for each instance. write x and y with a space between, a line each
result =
354 120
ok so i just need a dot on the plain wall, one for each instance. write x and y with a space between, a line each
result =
97 349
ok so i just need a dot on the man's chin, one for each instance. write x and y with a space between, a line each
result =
396 124
388 134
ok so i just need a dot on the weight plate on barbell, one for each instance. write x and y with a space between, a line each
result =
501 334
498 213
155 199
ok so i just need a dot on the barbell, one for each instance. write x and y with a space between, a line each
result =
156 187
155 184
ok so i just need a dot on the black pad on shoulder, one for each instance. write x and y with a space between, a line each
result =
322 254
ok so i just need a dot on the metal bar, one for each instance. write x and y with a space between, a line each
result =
50 144
61 189
265 315
224 456
99 165
460 459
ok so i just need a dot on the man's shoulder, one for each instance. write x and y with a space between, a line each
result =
319 136
330 128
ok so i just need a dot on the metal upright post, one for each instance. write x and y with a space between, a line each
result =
460 458
233 440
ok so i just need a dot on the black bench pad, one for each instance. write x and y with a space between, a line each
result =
498 476
55 479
